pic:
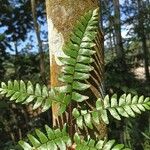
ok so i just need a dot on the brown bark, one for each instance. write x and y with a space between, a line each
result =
37 30
62 16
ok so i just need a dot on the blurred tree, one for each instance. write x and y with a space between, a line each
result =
142 35
37 30
117 28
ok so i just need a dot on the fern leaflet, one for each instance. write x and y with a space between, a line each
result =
126 106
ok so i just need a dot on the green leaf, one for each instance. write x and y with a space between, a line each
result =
128 99
22 87
99 104
78 97
129 111
75 113
67 61
38 103
135 99
135 109
51 145
80 122
91 143
33 140
30 89
87 45
70 52
100 144
50 132
15 96
104 116
122 112
16 85
21 98
89 36
141 99
45 91
87 119
75 39
41 135
140 107
38 91
10 85
109 145
78 32
47 104
62 109
80 86
106 102
64 89
80 26
86 52
147 99
3 85
29 99
81 76
146 106
114 102
83 68
77 138
66 78
25 145
68 69
122 100
84 60
118 147
114 113
9 93
95 117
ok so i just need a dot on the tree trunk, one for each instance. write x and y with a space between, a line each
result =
37 31
117 27
62 16
142 35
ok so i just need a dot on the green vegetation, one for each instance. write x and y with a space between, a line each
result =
77 67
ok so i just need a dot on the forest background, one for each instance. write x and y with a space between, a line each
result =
24 55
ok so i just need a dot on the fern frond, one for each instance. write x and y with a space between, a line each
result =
20 92
126 106
56 139
52 140
91 144
79 51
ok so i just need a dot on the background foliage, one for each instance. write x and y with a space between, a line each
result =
19 59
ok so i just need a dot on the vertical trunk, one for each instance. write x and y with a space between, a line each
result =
101 14
16 59
142 35
61 17
112 36
41 52
117 27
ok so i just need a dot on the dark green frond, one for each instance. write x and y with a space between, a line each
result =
125 106
20 92
52 140
99 145
79 51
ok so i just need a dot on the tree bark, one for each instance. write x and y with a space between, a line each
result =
142 35
117 27
37 31
61 17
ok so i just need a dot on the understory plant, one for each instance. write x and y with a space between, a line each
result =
76 70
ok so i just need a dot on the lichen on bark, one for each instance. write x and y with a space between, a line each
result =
64 13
